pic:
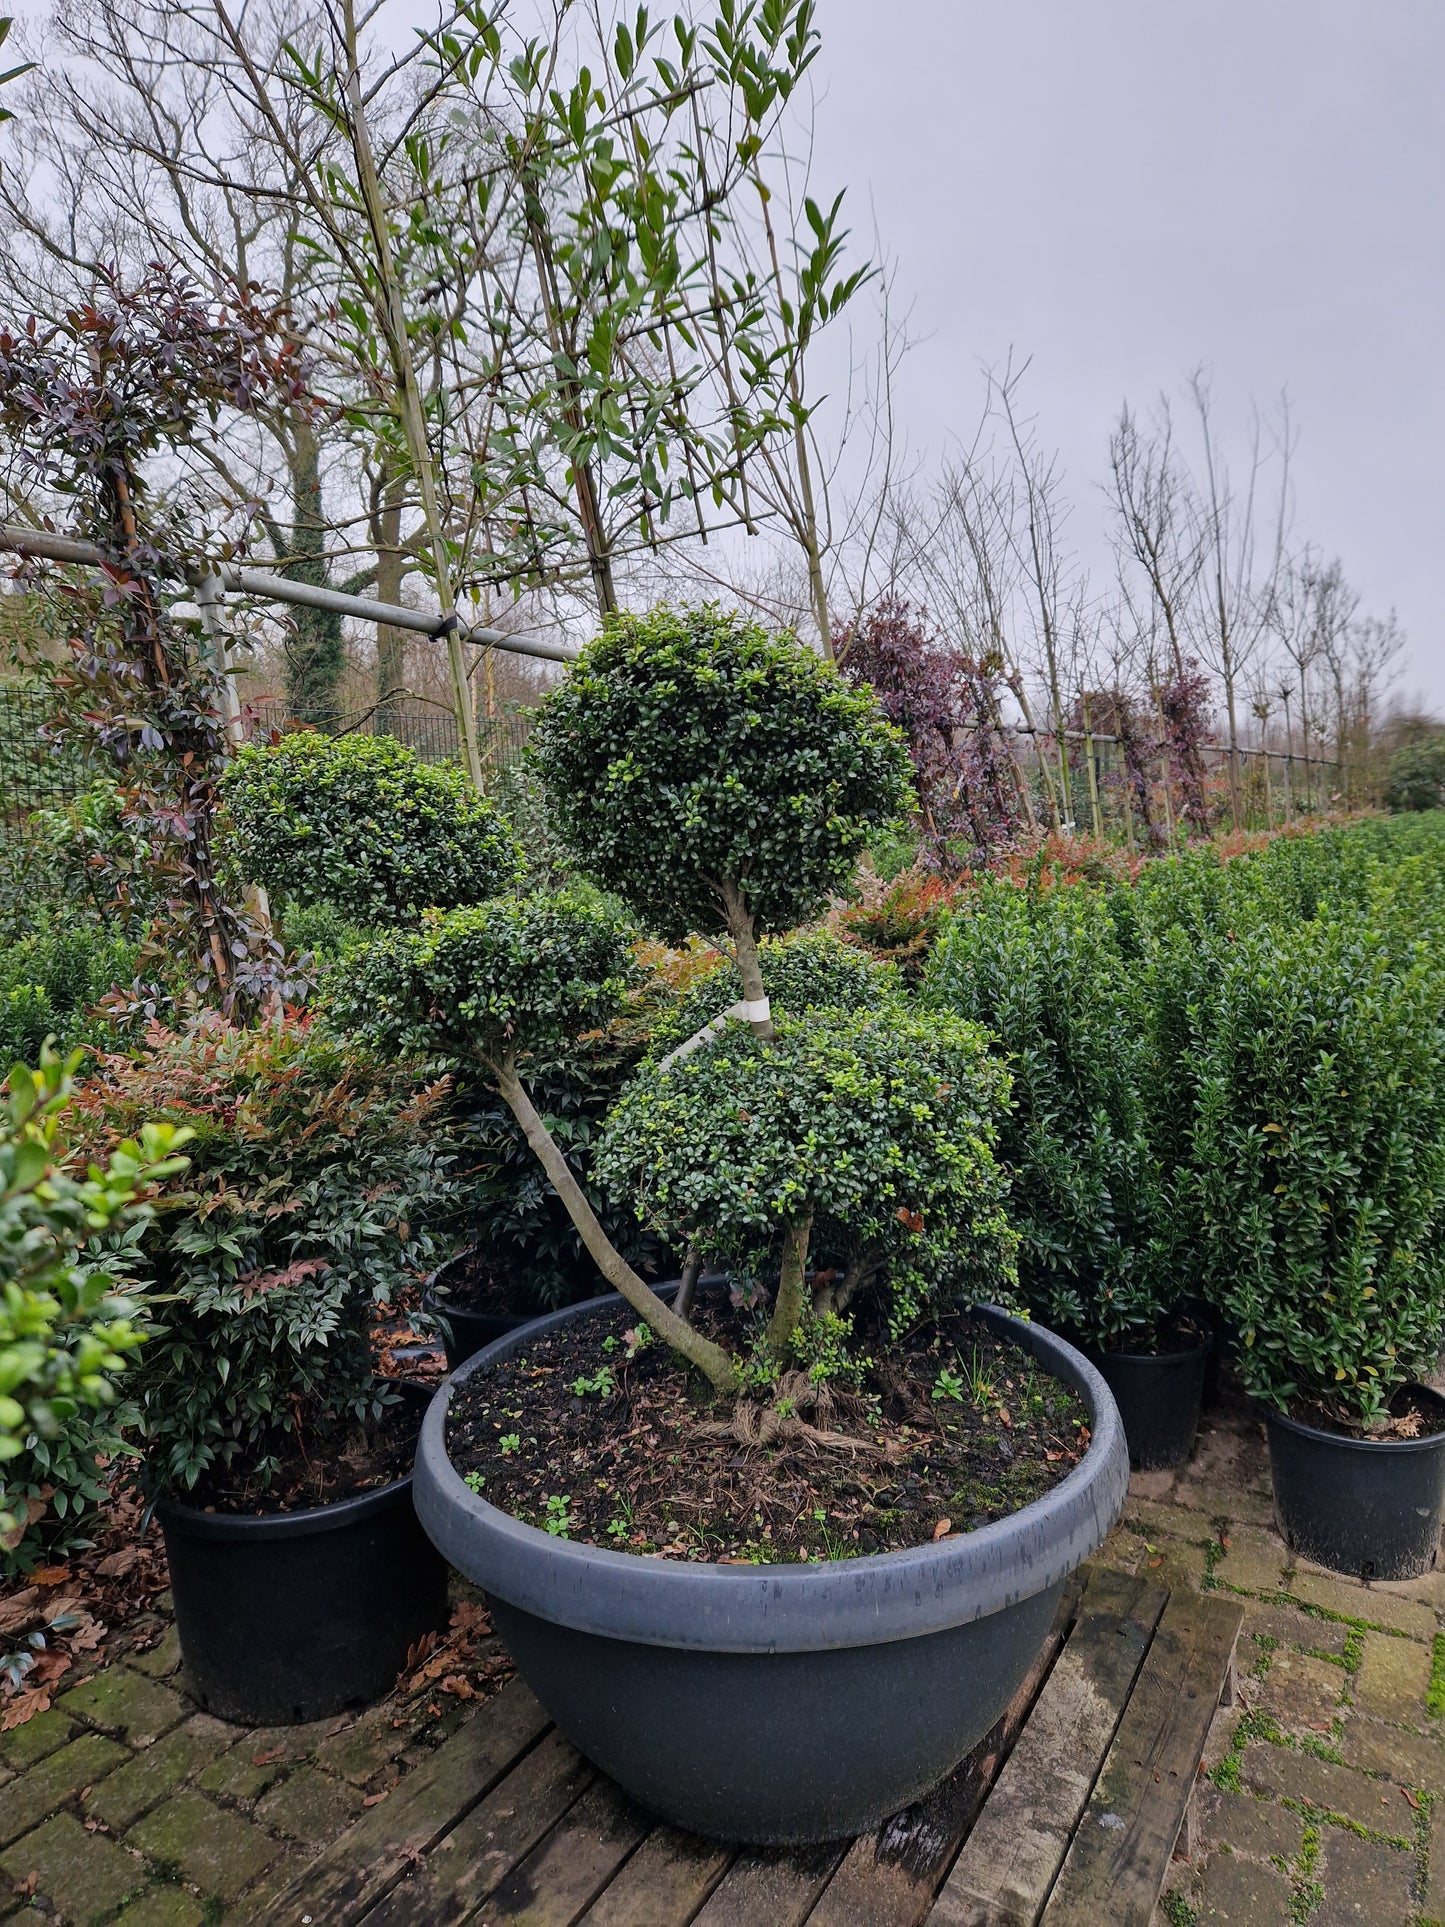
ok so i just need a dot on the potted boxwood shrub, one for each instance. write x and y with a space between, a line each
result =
723 780
1318 1172
1089 1140
278 1462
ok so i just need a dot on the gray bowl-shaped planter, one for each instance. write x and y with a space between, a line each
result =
779 1704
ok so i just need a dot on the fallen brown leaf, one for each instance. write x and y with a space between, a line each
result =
1416 1804
268 1758
50 1575
24 1707
375 1799
459 1687
943 1528
117 1564
17 1612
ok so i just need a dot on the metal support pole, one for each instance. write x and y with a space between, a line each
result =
277 588
213 621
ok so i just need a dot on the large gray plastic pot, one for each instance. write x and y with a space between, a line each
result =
779 1704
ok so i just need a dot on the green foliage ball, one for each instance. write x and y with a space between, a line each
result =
516 974
883 1122
361 822
690 748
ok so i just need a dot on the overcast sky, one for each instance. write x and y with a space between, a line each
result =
1125 188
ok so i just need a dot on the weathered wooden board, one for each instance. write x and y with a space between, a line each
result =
1120 1855
664 1883
560 1879
776 1885
889 1878
1010 1860
473 1860
357 1870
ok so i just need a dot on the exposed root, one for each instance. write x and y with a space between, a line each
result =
781 1422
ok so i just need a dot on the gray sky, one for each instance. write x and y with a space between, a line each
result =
1125 188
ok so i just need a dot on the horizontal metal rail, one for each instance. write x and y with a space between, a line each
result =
272 587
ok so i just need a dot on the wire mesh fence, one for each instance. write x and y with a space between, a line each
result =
428 729
38 770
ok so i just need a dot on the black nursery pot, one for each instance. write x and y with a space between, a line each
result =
1372 1508
789 1703
465 1332
298 1615
1159 1395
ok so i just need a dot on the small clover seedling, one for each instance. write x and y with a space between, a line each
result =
948 1385
601 1382
559 1514
473 1481
510 1442
609 1344
618 1529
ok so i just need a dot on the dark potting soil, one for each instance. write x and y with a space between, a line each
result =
311 1474
1415 1412
478 1283
594 1438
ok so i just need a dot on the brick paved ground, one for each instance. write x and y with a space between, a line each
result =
124 1802
1325 1792
1324 1801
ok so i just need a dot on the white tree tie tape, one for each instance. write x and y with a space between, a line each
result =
756 1011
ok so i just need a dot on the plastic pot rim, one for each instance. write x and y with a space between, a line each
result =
1427 1442
818 1606
300 1523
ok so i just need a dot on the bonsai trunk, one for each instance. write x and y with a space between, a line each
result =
788 1306
745 948
709 1358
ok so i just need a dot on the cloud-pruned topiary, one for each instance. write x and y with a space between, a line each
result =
870 1133
720 778
361 822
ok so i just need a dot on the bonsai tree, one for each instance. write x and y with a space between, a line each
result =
720 779
66 1330
362 823
723 781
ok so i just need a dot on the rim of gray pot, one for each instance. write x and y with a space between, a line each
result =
815 1607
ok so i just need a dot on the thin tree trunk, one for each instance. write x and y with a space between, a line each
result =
788 1305
745 948
709 1358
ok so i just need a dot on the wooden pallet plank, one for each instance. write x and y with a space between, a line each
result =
663 1884
1120 1854
1012 1857
357 1870
889 1878
473 1860
774 1884
560 1878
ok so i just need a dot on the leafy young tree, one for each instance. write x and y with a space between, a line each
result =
866 1135
722 780
95 409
